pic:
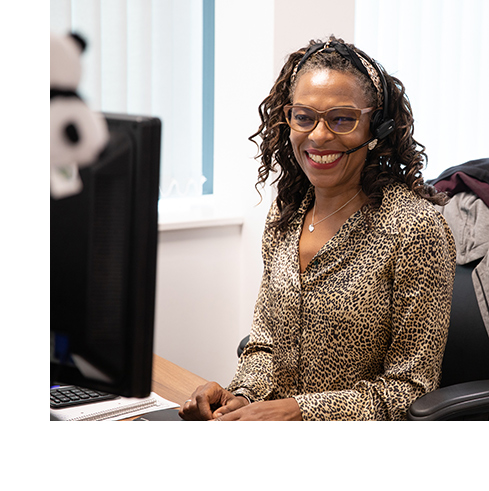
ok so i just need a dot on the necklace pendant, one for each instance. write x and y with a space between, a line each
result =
311 228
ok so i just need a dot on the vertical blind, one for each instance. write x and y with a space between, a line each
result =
146 57
439 49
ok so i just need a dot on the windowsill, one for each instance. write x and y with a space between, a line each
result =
197 212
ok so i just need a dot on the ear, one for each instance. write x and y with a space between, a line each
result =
80 41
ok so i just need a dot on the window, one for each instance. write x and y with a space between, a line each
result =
439 50
153 57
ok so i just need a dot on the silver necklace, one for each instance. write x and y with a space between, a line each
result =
312 226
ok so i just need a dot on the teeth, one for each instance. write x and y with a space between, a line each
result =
325 159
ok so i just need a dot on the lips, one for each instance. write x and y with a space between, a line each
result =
324 159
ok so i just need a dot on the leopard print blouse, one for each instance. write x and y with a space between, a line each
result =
360 334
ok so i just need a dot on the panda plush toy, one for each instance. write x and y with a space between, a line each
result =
78 135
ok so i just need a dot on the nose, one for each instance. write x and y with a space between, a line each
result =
321 133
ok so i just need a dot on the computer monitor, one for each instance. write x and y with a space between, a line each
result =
103 265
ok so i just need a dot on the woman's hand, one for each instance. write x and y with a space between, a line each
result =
209 401
279 410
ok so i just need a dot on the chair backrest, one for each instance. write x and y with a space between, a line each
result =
467 352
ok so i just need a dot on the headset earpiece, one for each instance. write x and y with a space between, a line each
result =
380 128
384 129
376 121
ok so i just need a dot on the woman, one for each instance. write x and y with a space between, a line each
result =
353 311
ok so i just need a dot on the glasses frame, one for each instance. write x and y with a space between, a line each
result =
321 115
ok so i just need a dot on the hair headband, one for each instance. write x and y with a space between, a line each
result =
357 58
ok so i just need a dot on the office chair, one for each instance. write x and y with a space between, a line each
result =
464 387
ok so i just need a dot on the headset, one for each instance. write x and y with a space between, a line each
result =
380 124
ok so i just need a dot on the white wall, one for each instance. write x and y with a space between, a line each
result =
208 278
297 22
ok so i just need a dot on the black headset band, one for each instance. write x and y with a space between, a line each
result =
342 49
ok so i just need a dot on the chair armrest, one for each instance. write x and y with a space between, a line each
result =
452 402
242 345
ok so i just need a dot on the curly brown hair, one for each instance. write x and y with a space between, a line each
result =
396 158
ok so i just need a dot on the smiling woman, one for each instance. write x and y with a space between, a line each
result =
352 315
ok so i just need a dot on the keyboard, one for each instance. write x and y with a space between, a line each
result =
71 395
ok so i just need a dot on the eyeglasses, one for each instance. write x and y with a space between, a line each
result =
340 120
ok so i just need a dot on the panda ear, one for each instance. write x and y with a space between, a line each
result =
82 44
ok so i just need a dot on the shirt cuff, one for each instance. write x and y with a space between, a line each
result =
243 393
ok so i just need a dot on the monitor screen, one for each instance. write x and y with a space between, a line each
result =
103 265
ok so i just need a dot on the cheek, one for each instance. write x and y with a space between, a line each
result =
359 136
365 131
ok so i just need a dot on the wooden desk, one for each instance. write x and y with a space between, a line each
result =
173 382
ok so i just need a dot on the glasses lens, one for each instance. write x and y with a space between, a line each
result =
301 118
342 119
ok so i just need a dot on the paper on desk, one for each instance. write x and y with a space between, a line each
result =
121 408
